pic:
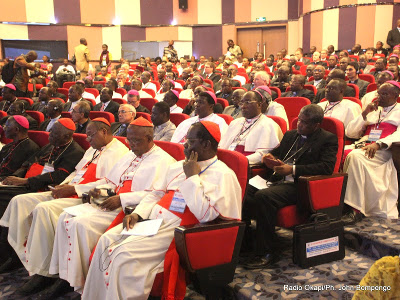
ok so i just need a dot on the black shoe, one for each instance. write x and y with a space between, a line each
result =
10 264
261 262
60 287
35 284
352 217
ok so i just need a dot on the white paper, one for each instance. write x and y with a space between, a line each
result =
144 228
258 182
81 209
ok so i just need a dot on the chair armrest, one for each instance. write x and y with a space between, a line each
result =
197 244
323 193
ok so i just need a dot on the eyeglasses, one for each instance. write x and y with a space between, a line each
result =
124 111
74 111
241 103
89 137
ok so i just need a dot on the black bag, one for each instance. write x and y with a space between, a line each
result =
8 72
318 242
73 60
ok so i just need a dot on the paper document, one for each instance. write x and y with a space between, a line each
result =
81 209
258 182
145 228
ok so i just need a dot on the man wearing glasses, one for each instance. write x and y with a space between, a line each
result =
126 114
80 116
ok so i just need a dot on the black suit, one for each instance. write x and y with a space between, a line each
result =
59 95
321 84
302 93
112 107
248 86
33 124
81 128
362 86
67 105
393 38
317 156
118 130
214 77
349 92
227 97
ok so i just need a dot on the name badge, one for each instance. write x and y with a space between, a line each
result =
232 147
178 203
128 176
48 168
374 135
78 176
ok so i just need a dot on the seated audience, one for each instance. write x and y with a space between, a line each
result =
113 85
297 88
269 107
332 62
107 104
126 115
234 75
166 86
53 86
310 71
44 98
204 111
226 90
382 78
133 99
65 73
352 71
307 150
121 80
74 96
85 94
17 109
334 74
343 63
80 116
146 84
54 108
189 92
235 110
380 65
282 81
8 93
160 116
209 72
319 82
171 97
136 84
243 134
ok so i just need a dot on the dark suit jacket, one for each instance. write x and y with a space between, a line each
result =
362 86
321 85
217 86
112 107
393 37
43 125
115 128
302 93
227 97
305 61
349 92
33 124
59 95
214 77
248 86
316 157
68 104
142 108
81 128
64 164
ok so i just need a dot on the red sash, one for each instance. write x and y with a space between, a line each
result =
34 170
240 149
90 174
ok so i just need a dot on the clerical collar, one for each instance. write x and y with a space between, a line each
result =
250 121
334 103
388 108
206 117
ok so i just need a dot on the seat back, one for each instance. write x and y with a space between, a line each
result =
182 102
311 88
37 115
150 92
80 138
121 91
41 138
3 114
103 83
63 91
156 83
148 102
68 84
93 102
228 119
66 114
276 90
209 81
119 100
102 114
303 69
29 100
178 118
292 106
280 121
144 115
55 98
223 102
173 149
356 89
239 88
93 91
367 77
371 87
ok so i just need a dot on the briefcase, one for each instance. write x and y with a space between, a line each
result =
318 242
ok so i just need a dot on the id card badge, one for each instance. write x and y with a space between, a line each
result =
78 176
129 176
178 203
232 147
47 168
374 135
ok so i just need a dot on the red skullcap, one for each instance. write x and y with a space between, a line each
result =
133 92
21 120
80 81
176 93
213 129
67 123
103 120
10 86
141 122
212 96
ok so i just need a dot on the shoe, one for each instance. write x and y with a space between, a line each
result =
60 287
261 262
10 264
352 217
35 284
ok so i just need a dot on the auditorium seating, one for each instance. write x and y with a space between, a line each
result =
276 90
102 114
228 119
371 87
178 118
354 99
224 103
120 101
93 91
367 77
29 100
144 115
148 102
150 92
280 121
292 106
182 102
355 88
121 91
68 84
37 115
63 91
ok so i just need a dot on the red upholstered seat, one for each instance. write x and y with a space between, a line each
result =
37 115
144 115
102 114
80 138
3 114
292 106
55 98
173 149
276 90
68 84
41 138
355 88
121 91
93 91
178 118
367 77
30 101
63 91
303 69
280 121
228 119
209 81
182 102
371 87
182 82
120 100
103 83
223 102
91 101
150 92
148 102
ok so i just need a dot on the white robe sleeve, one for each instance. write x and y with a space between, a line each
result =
84 188
356 128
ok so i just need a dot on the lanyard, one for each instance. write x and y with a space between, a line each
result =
208 166
59 154
330 108
379 118
247 129
92 160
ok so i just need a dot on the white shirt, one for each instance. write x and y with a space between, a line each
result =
344 110
175 109
240 78
51 123
114 96
150 85
68 67
277 109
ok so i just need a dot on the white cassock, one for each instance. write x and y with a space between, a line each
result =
258 135
344 110
241 79
372 183
277 109
125 267
114 96
175 109
150 85
142 94
160 96
182 129
77 236
368 98
186 94
32 217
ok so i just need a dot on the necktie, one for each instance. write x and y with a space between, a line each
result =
121 129
102 107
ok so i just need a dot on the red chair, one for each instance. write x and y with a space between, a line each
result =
91 101
148 102
63 91
2 114
66 114
182 102
173 149
371 87
37 115
367 77
228 119
280 121
150 92
156 83
178 118
323 193
144 115
93 91
276 90
121 91
178 90
299 63
303 69
354 57
41 138
311 88
103 83
102 114
68 84
295 72
223 102
239 88
29 100
355 88
209 81
245 76
292 106
354 99
81 139
120 101
241 70
182 82
55 98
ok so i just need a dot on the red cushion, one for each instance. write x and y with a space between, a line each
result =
288 217
325 193
202 246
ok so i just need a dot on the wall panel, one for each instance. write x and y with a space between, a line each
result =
330 33
127 12
316 26
383 22
242 11
162 33
93 36
347 20
365 27
187 16
14 32
209 12
41 11
112 37
97 11
205 36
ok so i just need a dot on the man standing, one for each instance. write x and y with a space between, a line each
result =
170 52
23 65
163 128
393 37
82 58
307 150
126 115
233 49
